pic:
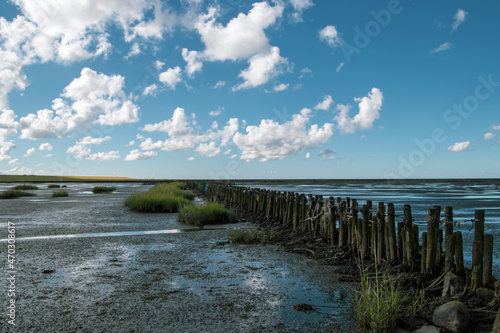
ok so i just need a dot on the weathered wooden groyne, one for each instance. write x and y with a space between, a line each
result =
371 231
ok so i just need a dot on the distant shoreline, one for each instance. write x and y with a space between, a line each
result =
69 179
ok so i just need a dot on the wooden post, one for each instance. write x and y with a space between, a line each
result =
381 231
448 221
477 251
449 262
392 231
333 219
439 237
430 261
423 265
488 260
342 224
374 240
352 234
409 239
296 212
365 231
449 255
459 254
356 230
400 243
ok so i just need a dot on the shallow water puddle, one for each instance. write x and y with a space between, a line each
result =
113 234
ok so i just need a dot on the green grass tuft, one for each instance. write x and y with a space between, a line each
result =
252 236
211 213
54 186
12 194
162 198
24 187
57 194
152 203
378 305
103 189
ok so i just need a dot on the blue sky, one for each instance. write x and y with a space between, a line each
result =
238 89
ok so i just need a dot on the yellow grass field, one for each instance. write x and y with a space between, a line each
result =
42 179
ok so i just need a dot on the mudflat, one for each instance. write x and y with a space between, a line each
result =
101 270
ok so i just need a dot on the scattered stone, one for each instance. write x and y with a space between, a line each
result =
454 316
485 294
48 271
496 325
427 329
453 285
303 307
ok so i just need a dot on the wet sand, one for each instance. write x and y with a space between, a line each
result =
184 281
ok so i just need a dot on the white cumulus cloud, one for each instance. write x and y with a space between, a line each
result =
6 148
95 99
30 151
273 141
193 61
263 67
242 37
299 6
325 104
443 47
369 111
330 35
171 77
70 31
8 124
136 155
489 136
459 18
208 149
183 136
46 146
281 87
82 150
104 156
460 146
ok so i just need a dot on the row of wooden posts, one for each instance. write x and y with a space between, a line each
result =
368 232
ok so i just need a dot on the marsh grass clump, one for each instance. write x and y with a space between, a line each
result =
379 303
54 186
177 189
58 194
154 203
252 236
12 194
103 189
162 198
24 187
211 213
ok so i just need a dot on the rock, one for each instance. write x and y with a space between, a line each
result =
496 325
427 329
485 294
454 316
48 271
452 285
